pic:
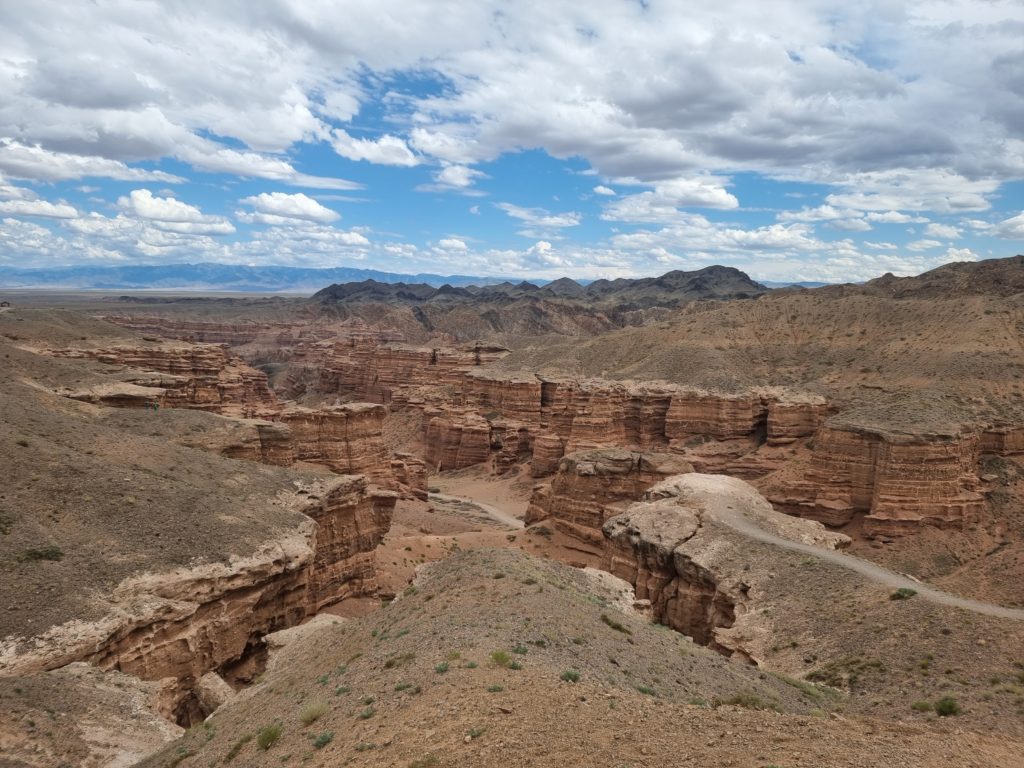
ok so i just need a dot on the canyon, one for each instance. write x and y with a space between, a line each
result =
185 486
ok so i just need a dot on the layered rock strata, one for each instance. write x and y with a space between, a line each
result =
897 482
210 616
592 486
673 548
198 376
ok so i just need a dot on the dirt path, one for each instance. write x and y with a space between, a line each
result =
494 513
869 570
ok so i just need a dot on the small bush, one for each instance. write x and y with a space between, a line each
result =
403 686
745 700
323 739
441 668
570 676
903 593
341 690
367 713
618 627
237 747
947 706
495 688
647 690
501 658
267 736
470 665
922 706
399 661
475 733
41 553
312 712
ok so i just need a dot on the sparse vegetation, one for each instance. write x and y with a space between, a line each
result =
323 739
745 700
570 676
947 706
501 658
441 668
495 688
312 712
237 747
367 713
34 554
903 593
617 626
267 736
922 706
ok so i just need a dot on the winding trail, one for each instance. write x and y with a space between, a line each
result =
504 518
869 570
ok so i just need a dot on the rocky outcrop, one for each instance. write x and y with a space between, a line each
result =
898 482
86 717
198 376
211 616
456 438
592 486
696 572
376 371
346 438
352 519
410 472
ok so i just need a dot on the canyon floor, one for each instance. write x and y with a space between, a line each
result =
676 523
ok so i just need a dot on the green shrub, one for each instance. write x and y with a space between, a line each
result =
646 689
367 713
312 712
745 700
947 706
501 658
903 593
618 627
495 688
922 706
41 553
570 676
441 668
268 735
323 739
237 747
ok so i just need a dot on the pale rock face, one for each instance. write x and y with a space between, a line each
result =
669 546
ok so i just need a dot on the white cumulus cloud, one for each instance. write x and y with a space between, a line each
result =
284 208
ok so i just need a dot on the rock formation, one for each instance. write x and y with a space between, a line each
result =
592 486
212 616
898 481
199 376
670 547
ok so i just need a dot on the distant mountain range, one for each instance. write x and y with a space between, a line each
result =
671 289
213 277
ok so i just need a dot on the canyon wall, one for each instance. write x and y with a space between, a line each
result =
212 616
198 376
677 549
897 481
592 486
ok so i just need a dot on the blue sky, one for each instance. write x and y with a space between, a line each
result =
810 140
